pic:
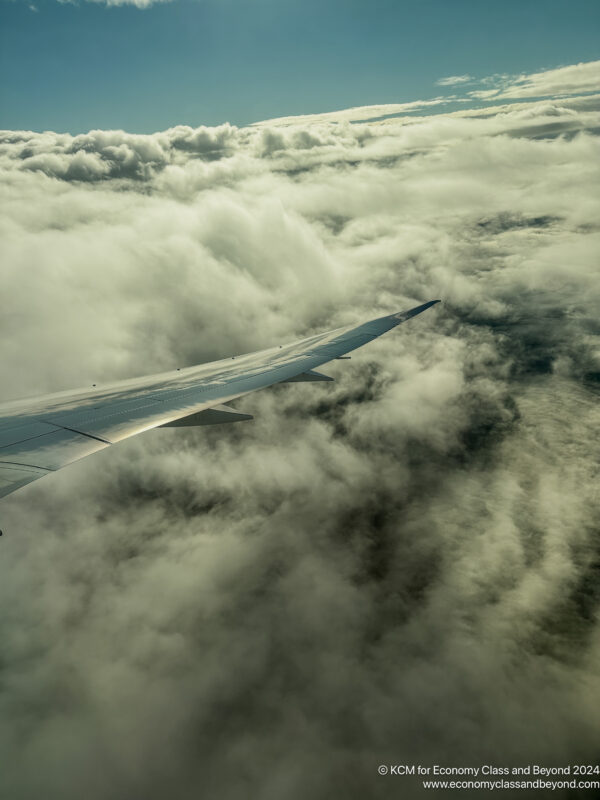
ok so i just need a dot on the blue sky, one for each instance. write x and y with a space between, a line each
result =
73 67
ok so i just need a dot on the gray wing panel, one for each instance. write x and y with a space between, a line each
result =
44 434
52 450
14 476
32 450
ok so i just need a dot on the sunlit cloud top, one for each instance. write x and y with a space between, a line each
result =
572 79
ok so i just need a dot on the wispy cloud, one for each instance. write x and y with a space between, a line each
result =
454 80
358 113
572 79
141 4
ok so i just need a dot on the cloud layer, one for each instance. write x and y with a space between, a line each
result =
401 567
571 80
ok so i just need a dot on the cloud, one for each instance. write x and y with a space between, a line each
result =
138 3
398 567
99 155
573 79
357 114
454 80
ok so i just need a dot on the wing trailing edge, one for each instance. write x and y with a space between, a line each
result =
210 416
311 376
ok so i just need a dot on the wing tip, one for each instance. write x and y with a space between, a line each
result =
402 315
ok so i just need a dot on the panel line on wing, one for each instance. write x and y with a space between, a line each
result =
16 464
83 433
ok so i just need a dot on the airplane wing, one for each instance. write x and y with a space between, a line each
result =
40 435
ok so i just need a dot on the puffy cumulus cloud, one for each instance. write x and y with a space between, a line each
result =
401 567
98 155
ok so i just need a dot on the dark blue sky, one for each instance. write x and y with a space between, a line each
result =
70 67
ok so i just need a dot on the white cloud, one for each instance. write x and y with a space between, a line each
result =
357 114
138 3
573 79
416 541
454 80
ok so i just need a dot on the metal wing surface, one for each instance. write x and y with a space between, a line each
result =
41 435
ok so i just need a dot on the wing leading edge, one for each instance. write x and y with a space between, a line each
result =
41 435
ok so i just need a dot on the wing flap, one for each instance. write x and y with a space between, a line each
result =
210 416
310 376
